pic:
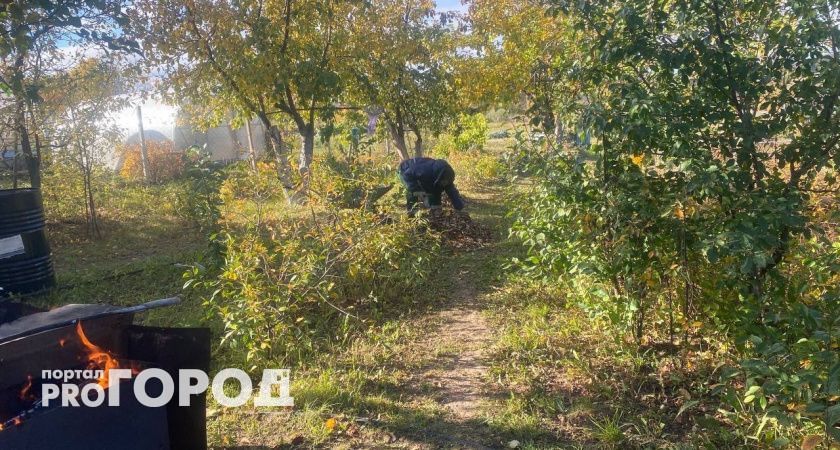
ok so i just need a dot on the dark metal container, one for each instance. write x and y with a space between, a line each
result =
25 259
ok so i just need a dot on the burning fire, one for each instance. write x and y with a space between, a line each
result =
97 358
25 395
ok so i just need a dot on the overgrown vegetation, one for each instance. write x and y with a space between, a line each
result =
671 273
695 216
286 285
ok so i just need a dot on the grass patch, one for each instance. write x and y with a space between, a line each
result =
569 376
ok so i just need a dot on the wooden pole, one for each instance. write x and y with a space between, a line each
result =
251 153
144 157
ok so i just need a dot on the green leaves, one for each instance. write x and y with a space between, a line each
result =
283 285
700 183
832 422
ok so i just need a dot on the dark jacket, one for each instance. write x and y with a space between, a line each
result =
432 176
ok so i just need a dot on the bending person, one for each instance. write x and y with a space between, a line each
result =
426 179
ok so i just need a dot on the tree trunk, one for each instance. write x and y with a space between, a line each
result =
418 145
558 131
275 146
399 142
252 154
33 162
308 149
306 154
93 220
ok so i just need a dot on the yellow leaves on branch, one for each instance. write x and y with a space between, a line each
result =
638 160
681 212
164 163
811 442
649 278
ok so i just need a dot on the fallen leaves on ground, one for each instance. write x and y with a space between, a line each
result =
459 230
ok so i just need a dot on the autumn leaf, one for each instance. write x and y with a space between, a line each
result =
810 442
330 424
638 160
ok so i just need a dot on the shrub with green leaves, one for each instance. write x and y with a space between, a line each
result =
199 201
713 125
477 167
632 253
356 183
286 289
468 134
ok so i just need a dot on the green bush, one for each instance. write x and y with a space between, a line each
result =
467 135
286 288
199 201
355 183
638 254
476 167
63 192
470 132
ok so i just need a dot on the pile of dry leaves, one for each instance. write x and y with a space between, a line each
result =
459 230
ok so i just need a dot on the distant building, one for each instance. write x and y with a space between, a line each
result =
223 143
150 135
11 161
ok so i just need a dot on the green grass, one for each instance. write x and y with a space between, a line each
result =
608 430
139 257
569 377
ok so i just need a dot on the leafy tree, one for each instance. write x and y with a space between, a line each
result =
80 103
29 35
716 125
266 59
400 53
516 50
737 105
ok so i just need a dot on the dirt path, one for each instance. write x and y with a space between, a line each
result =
454 374
461 377
442 400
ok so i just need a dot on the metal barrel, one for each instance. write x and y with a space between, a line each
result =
25 259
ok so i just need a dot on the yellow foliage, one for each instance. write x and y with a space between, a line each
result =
330 424
164 163
475 167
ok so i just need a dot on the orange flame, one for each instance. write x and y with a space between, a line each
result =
25 395
97 358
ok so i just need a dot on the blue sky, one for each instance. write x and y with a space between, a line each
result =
450 5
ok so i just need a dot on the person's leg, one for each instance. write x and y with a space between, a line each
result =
411 186
435 209
435 199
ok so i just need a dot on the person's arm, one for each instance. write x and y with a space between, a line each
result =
410 202
455 197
